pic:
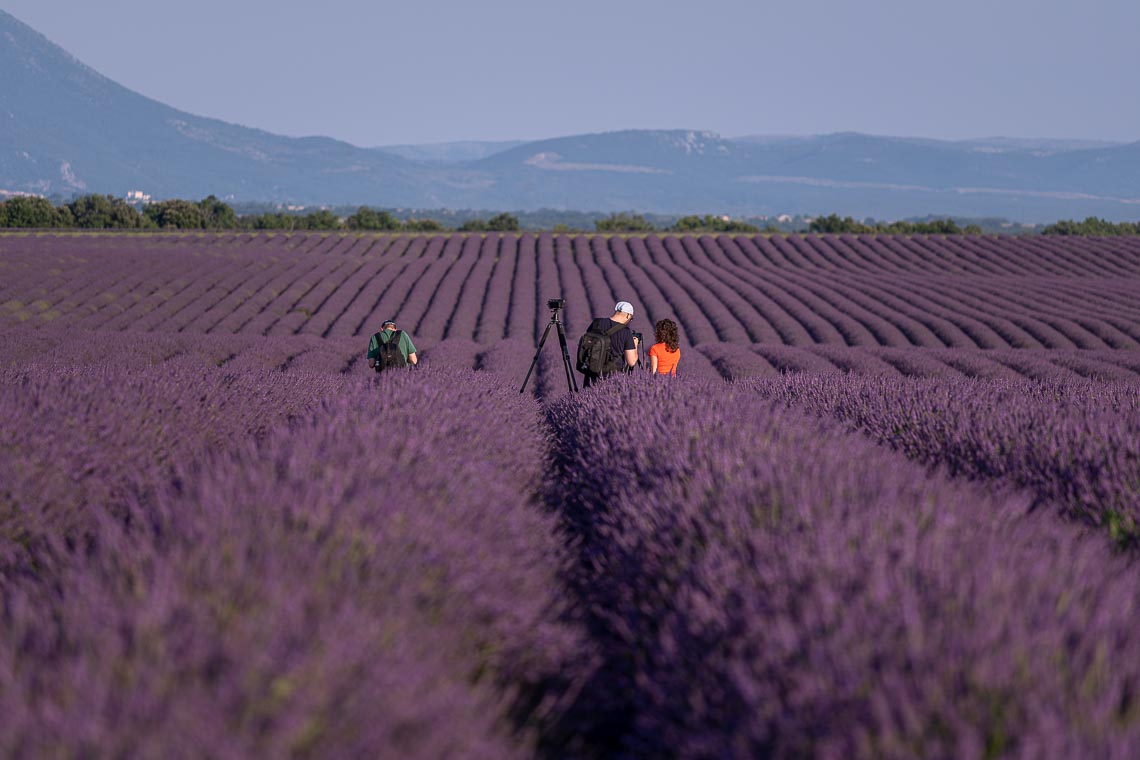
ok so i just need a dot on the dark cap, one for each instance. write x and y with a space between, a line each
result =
388 322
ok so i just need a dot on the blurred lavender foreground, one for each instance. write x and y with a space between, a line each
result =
1074 444
765 584
350 584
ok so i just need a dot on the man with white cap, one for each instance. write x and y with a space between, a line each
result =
623 346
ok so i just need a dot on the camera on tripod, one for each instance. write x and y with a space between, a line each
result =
555 305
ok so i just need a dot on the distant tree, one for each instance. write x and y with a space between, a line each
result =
689 224
1063 227
91 211
1092 226
503 223
29 211
371 219
710 223
320 220
3 214
283 221
473 225
102 212
935 227
217 215
176 214
272 221
423 225
266 221
63 217
737 226
833 225
624 222
830 224
972 229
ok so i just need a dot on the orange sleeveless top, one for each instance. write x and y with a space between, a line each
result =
666 359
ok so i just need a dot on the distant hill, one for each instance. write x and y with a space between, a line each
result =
861 175
66 129
451 152
982 145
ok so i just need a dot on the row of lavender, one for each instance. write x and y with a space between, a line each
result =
764 585
993 255
953 292
1074 445
357 569
731 361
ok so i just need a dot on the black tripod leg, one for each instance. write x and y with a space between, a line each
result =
537 353
571 383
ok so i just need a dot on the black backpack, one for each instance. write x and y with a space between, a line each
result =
594 355
388 353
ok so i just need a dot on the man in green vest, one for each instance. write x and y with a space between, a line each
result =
380 353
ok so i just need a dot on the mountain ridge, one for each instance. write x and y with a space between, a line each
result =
66 129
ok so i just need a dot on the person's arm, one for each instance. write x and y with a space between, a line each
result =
409 348
653 363
373 345
629 347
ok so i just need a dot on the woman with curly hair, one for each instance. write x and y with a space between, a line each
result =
666 351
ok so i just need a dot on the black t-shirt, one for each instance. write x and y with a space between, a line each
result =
620 342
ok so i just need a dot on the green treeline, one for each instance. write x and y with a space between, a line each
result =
1092 226
106 212
624 222
833 224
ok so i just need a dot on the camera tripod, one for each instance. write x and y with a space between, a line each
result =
555 305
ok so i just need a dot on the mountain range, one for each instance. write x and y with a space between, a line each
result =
65 129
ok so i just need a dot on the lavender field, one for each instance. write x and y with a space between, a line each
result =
890 507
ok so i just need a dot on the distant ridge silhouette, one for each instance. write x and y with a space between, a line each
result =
66 129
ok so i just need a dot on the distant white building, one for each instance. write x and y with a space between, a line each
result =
138 196
784 218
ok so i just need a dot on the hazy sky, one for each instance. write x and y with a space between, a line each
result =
377 73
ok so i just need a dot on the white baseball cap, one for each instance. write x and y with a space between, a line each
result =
625 306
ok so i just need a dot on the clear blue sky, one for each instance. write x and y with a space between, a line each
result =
376 73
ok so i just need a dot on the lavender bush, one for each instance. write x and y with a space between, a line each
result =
1074 444
765 584
373 578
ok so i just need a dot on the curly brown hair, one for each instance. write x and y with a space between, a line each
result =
665 331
